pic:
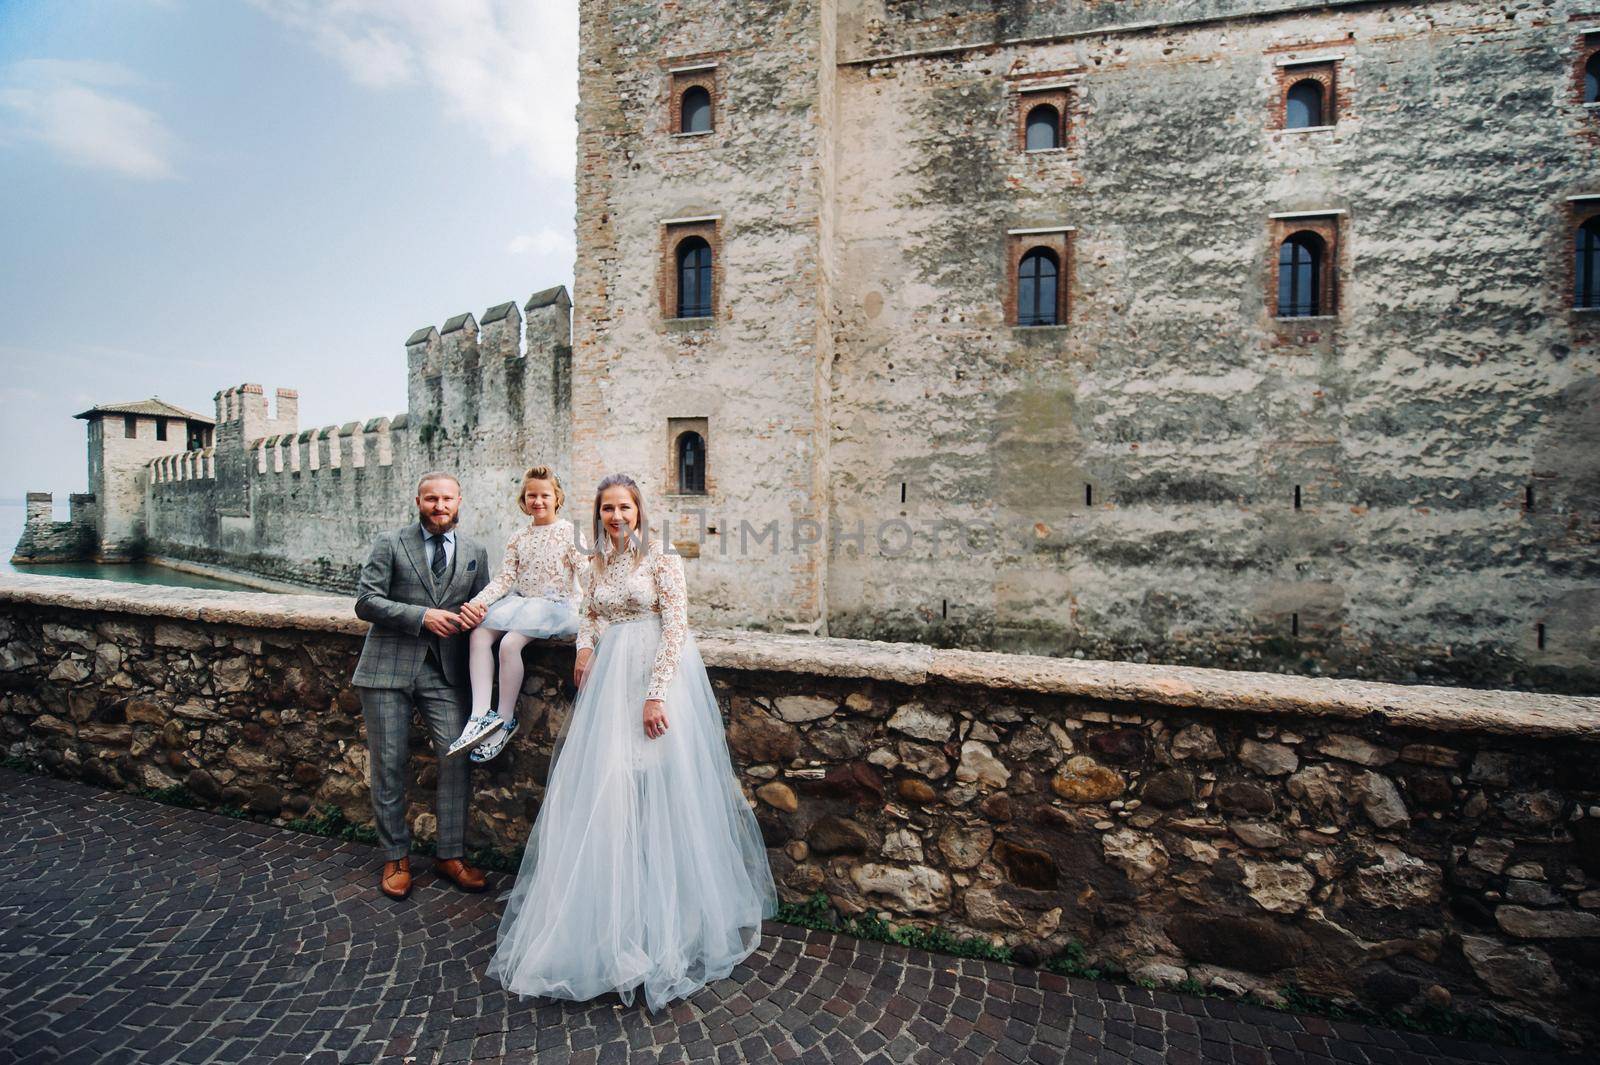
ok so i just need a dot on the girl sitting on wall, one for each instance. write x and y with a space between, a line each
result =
533 596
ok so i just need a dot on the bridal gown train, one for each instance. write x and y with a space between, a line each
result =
645 866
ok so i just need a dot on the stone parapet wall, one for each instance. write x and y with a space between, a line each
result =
1246 831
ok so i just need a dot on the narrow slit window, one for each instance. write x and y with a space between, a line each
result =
1294 624
691 464
1591 79
1037 277
1297 497
161 428
1586 267
1538 631
1300 269
1088 495
694 278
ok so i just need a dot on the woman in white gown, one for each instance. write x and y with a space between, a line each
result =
645 866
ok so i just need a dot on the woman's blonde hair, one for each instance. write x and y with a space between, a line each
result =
641 532
539 473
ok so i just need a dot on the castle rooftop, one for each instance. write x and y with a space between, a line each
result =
152 407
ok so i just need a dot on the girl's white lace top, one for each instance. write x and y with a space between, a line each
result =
540 560
627 594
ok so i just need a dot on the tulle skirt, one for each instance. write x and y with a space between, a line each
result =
645 866
532 615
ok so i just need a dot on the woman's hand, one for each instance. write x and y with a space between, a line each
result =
580 669
655 718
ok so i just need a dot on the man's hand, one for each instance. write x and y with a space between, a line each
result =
443 622
581 668
473 614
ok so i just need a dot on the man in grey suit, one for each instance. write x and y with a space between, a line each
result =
415 660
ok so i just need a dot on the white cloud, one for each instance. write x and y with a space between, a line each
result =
69 106
546 241
509 68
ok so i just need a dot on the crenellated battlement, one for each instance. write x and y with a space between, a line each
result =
195 465
351 446
487 396
487 374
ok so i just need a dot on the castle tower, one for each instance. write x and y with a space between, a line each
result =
123 438
701 339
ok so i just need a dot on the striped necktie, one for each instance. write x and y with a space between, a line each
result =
439 561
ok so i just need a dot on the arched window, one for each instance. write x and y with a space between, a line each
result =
1591 80
694 278
1037 276
696 117
1300 276
1586 273
1044 128
1304 106
691 463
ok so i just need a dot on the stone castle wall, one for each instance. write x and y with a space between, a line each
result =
1403 490
46 540
1247 831
303 505
757 370
1177 474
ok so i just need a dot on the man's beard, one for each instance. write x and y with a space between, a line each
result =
431 526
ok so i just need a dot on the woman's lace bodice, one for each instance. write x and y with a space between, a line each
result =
626 593
540 560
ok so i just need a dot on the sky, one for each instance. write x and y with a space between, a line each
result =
196 194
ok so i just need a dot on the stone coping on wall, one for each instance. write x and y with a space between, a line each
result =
1524 714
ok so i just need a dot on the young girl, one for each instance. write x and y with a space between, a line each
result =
533 595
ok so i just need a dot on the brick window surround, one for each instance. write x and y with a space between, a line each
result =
676 428
1019 242
1588 47
1325 224
1059 98
1324 72
699 76
674 231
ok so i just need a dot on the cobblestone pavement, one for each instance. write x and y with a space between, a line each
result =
136 932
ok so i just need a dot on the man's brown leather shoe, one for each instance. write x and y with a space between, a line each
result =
461 874
396 879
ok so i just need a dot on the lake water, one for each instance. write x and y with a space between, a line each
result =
12 517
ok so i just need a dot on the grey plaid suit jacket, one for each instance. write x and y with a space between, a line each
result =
394 591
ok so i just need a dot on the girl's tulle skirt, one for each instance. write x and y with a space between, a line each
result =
532 615
645 866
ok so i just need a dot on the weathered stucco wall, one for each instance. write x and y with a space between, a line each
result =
1172 475
1243 830
1454 377
304 505
756 371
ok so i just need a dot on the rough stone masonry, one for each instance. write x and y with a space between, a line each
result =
1404 486
1396 845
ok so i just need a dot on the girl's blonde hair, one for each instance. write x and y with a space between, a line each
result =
641 532
539 473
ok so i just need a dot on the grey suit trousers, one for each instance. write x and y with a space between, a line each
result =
388 715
